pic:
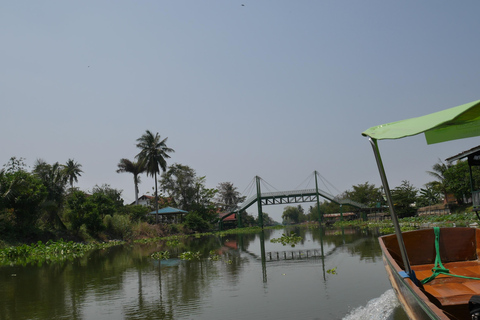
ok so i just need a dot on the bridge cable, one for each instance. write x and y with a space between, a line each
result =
325 180
310 177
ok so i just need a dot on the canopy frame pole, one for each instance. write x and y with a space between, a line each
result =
388 194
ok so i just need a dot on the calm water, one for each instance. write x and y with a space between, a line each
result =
331 274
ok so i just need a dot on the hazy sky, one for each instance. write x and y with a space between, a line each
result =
240 88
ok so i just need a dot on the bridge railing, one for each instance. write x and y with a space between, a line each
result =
297 193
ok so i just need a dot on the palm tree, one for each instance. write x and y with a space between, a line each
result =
153 153
438 173
54 179
228 196
135 168
72 171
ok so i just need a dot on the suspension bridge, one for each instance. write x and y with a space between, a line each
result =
289 197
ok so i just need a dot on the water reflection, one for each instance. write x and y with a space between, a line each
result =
125 283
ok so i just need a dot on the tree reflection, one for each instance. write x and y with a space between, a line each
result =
129 281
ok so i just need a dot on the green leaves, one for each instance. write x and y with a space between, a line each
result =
291 239
52 251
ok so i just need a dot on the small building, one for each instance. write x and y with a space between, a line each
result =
149 201
170 215
473 158
230 221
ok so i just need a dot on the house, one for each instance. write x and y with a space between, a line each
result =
148 201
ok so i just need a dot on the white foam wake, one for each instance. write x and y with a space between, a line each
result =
380 308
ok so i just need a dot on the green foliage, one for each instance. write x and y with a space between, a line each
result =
52 251
113 194
404 196
293 215
457 180
15 164
189 255
365 193
173 241
430 195
186 189
21 196
136 212
135 168
90 211
285 239
160 255
118 225
54 179
212 255
332 271
71 171
77 208
194 221
228 196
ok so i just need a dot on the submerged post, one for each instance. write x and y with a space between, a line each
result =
396 224
259 202
320 218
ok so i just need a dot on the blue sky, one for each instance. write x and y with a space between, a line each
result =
240 88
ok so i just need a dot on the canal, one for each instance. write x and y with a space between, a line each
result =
329 274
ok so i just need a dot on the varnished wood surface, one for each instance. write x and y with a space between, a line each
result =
459 249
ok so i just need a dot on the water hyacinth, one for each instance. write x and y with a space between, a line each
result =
52 251
285 239
189 255
160 255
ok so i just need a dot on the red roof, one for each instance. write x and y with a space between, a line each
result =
231 217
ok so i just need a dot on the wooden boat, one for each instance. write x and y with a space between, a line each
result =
446 296
446 259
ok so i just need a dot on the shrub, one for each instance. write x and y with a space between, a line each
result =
142 230
118 226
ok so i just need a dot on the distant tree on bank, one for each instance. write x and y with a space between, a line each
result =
228 198
54 179
404 198
189 193
153 152
135 168
293 215
72 171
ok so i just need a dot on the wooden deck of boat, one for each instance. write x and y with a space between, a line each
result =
450 290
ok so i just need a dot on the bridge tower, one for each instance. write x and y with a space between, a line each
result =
259 203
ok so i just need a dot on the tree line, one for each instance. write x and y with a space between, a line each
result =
451 180
44 203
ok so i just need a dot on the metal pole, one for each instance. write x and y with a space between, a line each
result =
259 202
239 219
396 224
320 218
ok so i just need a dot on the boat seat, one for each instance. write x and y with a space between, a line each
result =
450 290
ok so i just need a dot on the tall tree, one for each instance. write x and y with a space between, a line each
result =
293 214
404 196
228 197
153 152
365 193
54 179
190 194
72 171
438 173
135 168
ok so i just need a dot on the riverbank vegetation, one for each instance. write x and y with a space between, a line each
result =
42 203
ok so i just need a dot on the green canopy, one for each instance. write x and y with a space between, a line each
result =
451 124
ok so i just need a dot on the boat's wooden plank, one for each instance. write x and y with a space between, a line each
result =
456 244
451 290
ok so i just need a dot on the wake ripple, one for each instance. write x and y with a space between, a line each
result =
381 308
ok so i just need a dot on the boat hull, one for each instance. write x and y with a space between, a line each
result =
444 297
414 306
